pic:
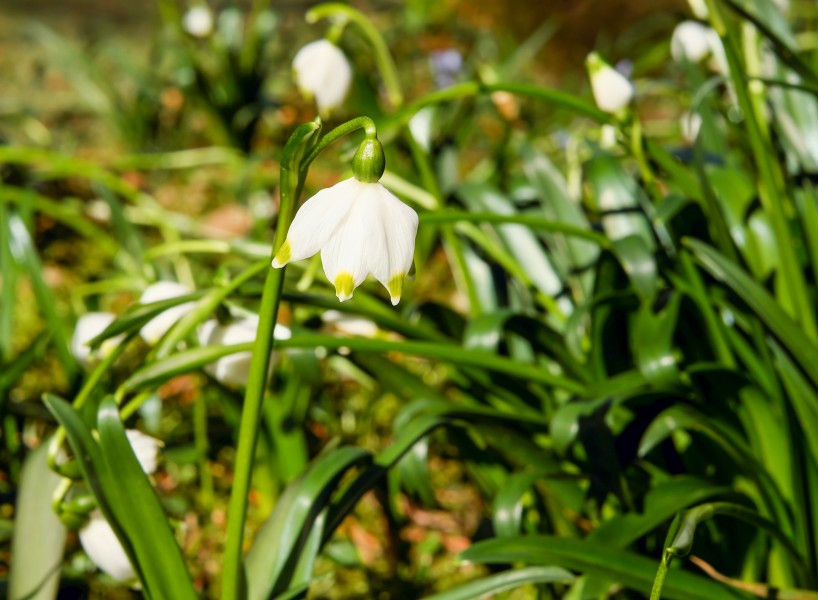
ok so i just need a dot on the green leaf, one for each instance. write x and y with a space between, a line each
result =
637 260
280 543
35 570
507 513
631 570
501 582
789 333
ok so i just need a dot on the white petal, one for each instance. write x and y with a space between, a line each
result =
322 71
611 89
316 221
89 326
345 255
391 244
234 369
102 546
146 449
154 329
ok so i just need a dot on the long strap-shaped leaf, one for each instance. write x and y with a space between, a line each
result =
126 498
782 326
630 569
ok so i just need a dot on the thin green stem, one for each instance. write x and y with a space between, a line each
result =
365 123
383 59
659 580
202 446
291 179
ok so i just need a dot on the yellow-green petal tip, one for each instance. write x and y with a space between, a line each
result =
344 284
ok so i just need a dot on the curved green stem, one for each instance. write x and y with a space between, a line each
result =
290 182
365 123
383 59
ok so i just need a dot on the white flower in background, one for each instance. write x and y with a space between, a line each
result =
350 324
612 91
360 228
89 326
98 538
690 41
607 137
154 329
690 123
322 72
233 370
420 126
198 21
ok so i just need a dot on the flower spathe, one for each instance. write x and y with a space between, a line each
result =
612 91
359 228
322 72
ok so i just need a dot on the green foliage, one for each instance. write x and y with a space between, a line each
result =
601 378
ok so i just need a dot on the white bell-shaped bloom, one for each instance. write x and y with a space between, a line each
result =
232 370
322 71
89 326
360 228
98 538
198 21
154 329
612 91
690 41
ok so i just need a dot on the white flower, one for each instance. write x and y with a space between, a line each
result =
89 326
322 72
153 330
102 546
350 324
198 21
690 123
690 41
612 90
232 370
146 449
98 538
360 228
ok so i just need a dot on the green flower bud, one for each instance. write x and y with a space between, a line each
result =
369 162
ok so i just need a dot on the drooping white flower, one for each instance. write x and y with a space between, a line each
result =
232 370
322 71
102 546
612 91
691 41
89 326
97 536
198 21
153 330
360 228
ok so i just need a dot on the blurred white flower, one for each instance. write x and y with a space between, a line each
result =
690 123
89 326
420 126
612 91
322 72
98 538
154 329
350 324
198 21
360 228
233 370
607 137
102 546
691 41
